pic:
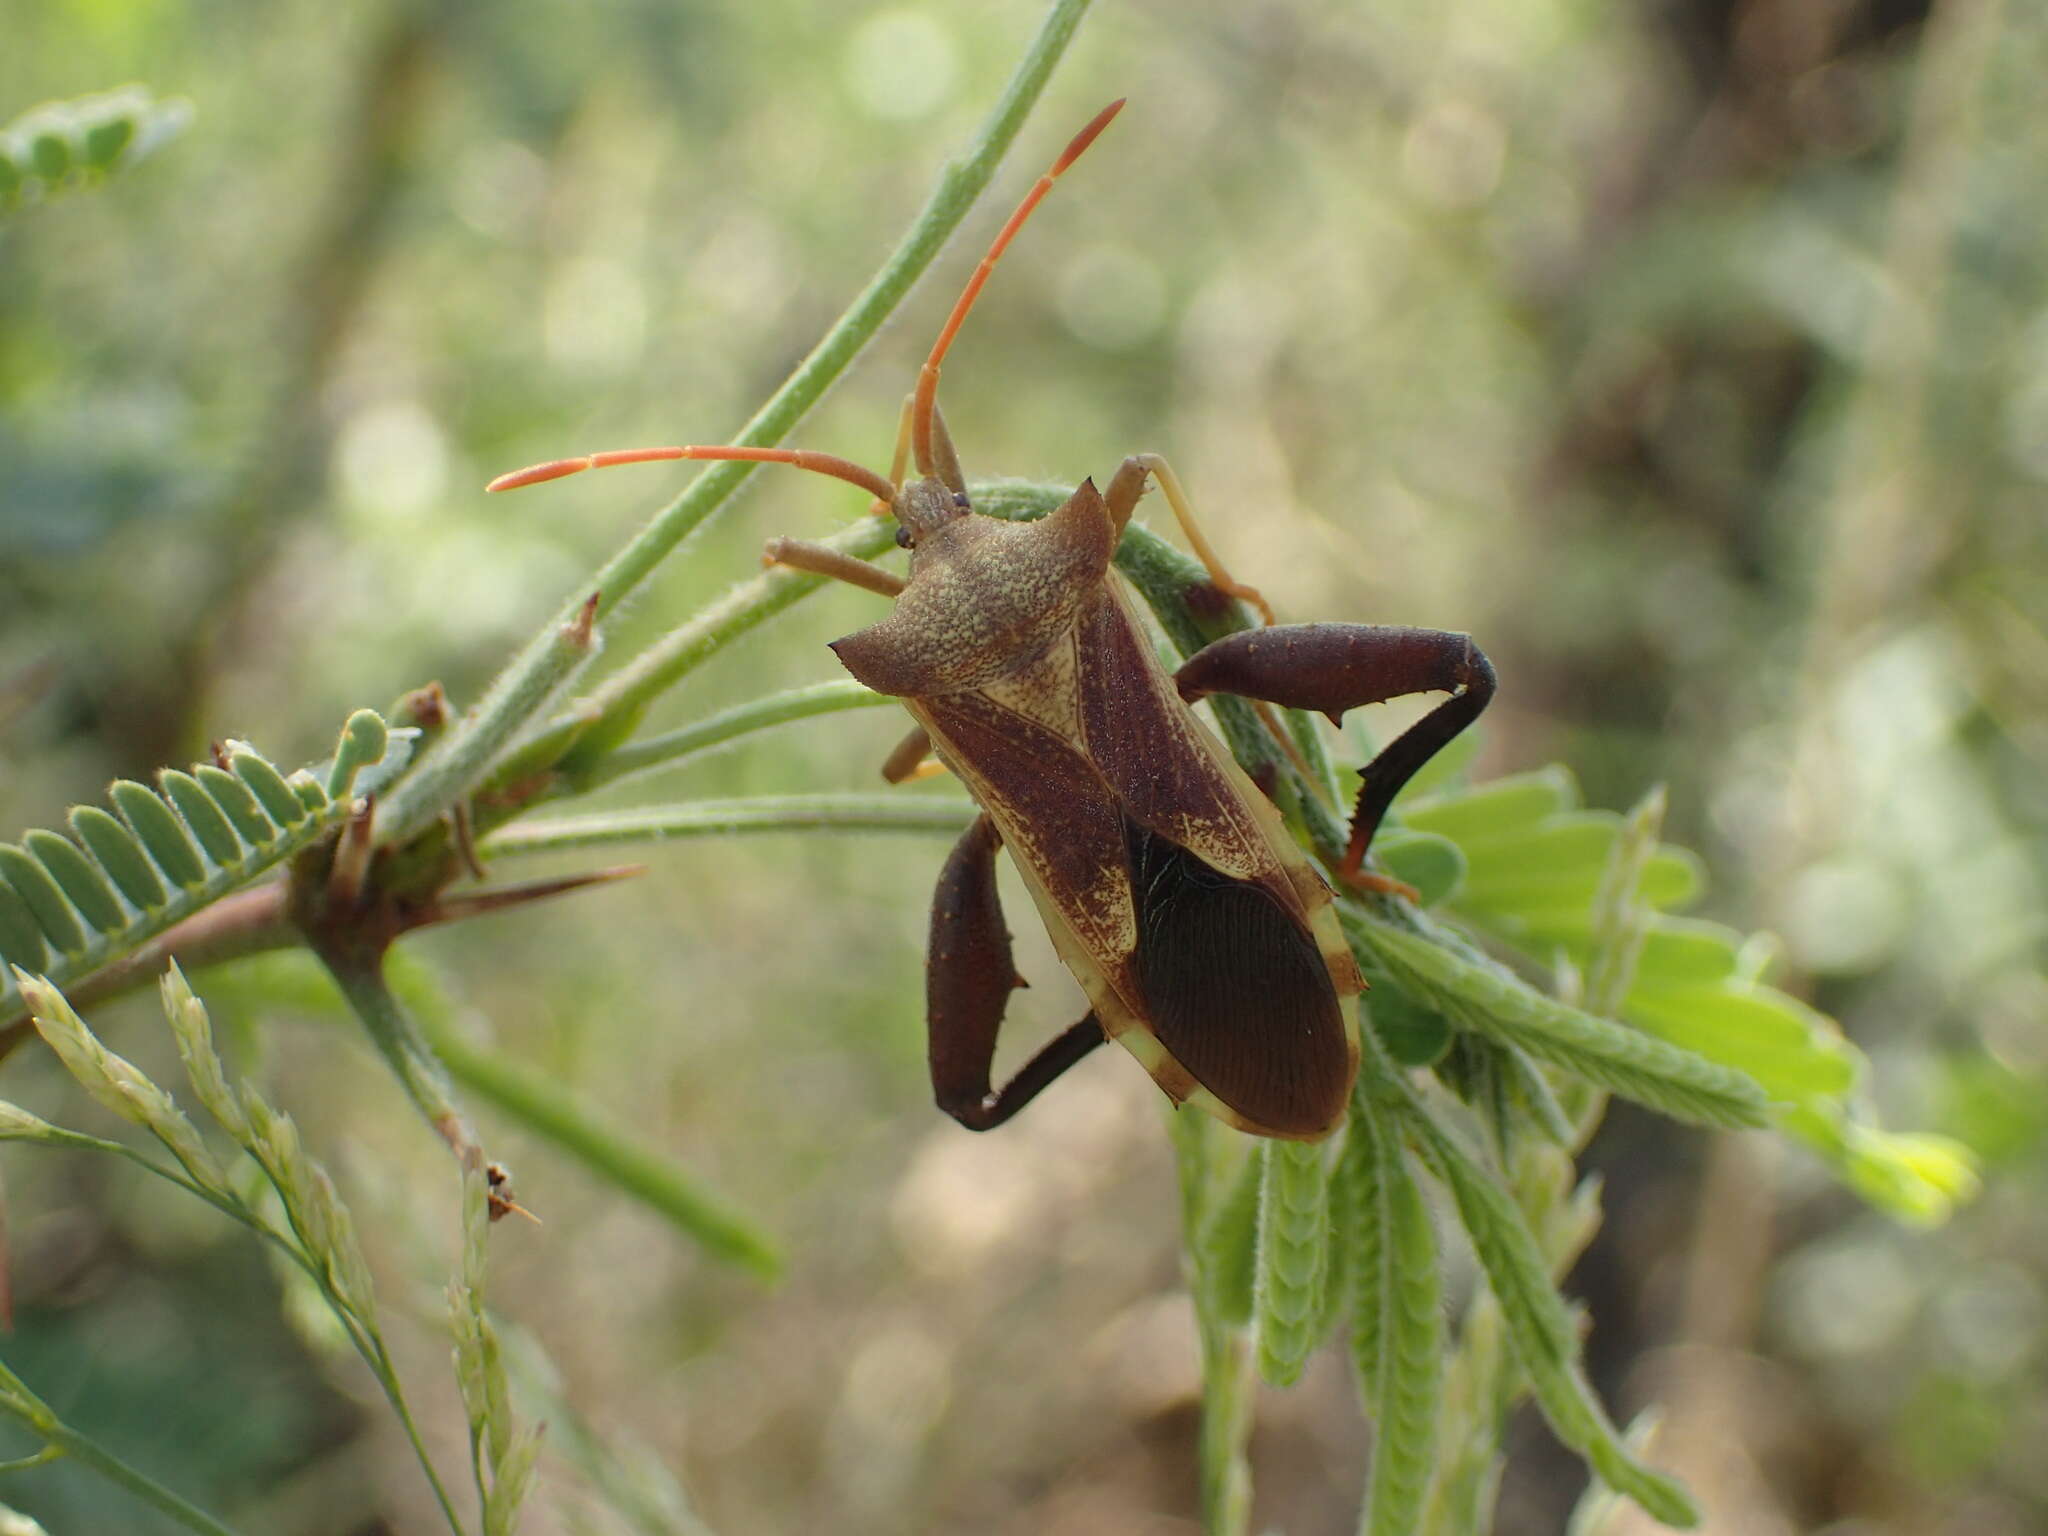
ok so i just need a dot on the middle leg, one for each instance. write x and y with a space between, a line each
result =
1128 484
911 758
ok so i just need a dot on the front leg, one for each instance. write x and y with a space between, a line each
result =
1334 667
968 979
824 560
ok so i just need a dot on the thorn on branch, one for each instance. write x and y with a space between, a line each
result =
455 909
351 867
581 632
464 829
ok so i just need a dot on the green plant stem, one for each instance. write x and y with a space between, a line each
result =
1228 1386
1228 1392
463 755
615 708
397 1036
521 691
33 1412
540 1104
712 818
671 747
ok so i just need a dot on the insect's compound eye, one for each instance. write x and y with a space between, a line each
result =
960 500
902 538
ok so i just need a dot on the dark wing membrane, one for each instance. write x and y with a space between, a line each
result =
1237 990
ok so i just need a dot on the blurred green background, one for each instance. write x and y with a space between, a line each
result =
1693 355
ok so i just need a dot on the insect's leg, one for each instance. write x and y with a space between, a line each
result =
945 457
1334 667
968 979
1125 487
1128 484
824 560
911 759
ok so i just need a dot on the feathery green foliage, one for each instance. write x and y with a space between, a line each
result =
311 1227
71 909
1293 1250
62 146
1397 1322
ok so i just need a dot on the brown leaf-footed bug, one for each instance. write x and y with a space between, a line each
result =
1205 939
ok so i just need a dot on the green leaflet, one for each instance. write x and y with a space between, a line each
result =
209 823
160 831
1558 861
1795 1052
238 804
1494 810
1682 951
364 738
121 856
1916 1177
83 882
39 892
1293 1238
1433 864
280 802
1413 1034
1411 1349
21 937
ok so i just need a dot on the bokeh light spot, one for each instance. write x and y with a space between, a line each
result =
1452 154
1112 297
902 65
391 461
1846 915
596 316
498 188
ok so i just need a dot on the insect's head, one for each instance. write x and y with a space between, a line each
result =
925 505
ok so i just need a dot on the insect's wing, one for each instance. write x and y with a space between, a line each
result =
1237 993
1247 981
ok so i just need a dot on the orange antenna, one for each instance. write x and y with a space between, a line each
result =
928 377
818 463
